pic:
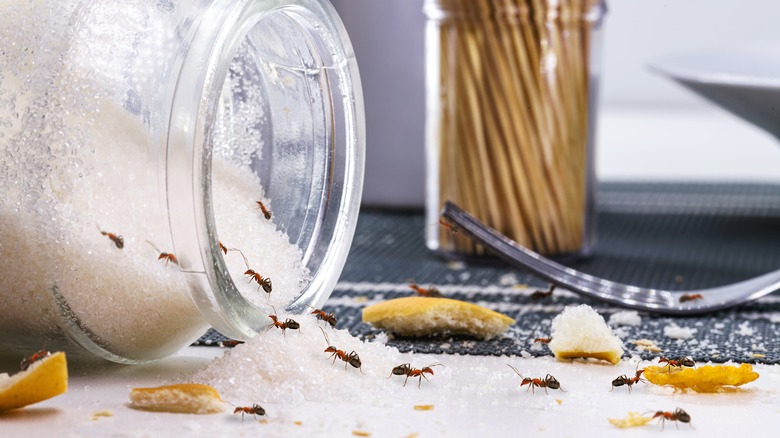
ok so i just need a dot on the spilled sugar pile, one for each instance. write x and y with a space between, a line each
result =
287 368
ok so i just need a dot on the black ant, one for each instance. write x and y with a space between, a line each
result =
351 358
330 318
690 297
283 326
548 381
448 226
118 240
167 256
540 294
678 416
679 362
407 370
35 357
628 381
261 281
266 212
426 292
255 410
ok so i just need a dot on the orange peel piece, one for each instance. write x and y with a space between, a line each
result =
44 379
184 398
708 378
633 419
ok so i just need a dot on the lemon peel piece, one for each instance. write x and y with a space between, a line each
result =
44 379
184 398
707 378
423 316
633 419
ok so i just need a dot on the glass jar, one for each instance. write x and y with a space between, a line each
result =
168 165
511 110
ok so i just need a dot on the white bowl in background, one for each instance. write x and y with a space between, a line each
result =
744 80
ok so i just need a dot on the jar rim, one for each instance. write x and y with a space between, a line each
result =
188 186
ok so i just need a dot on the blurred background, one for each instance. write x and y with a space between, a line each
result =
649 128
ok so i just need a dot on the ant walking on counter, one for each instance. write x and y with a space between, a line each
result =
548 381
351 358
678 416
407 370
629 381
167 256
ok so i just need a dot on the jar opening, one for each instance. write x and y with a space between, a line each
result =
276 163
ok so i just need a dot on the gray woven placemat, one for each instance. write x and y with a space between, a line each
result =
671 236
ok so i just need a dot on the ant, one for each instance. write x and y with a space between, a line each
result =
223 248
266 212
690 297
679 362
118 240
548 381
677 415
351 358
255 409
448 226
35 357
230 343
543 340
263 282
407 370
628 381
167 256
540 294
287 324
426 292
330 318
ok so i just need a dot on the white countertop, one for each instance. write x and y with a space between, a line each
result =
470 395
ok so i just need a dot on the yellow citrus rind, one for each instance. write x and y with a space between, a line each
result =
708 378
44 379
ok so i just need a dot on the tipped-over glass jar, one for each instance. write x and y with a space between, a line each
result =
168 165
511 110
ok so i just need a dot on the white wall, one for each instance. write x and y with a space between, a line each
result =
649 127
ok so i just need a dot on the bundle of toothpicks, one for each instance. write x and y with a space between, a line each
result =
513 117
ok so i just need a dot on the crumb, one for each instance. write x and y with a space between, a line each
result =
187 398
646 345
361 299
677 332
361 433
581 332
423 407
298 423
627 317
559 401
633 419
102 413
424 316
758 356
456 266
